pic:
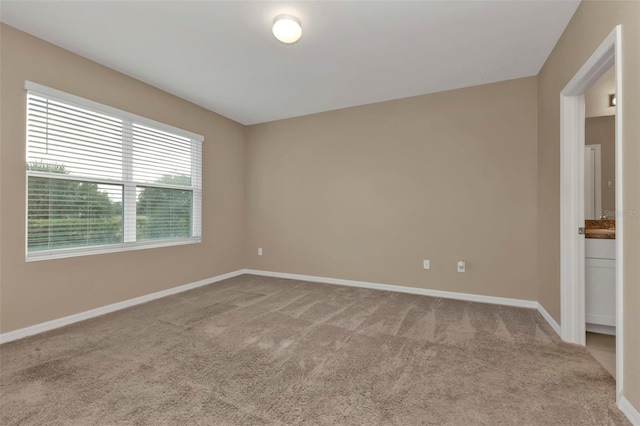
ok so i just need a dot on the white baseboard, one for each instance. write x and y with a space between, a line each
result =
549 318
61 322
421 291
602 329
624 405
402 289
630 411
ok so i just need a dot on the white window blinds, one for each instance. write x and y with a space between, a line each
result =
100 179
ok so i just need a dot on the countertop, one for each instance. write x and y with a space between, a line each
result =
601 229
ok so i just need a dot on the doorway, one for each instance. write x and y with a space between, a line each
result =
572 197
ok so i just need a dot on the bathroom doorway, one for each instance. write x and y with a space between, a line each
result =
599 213
573 253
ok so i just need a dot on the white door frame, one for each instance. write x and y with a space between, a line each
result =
572 262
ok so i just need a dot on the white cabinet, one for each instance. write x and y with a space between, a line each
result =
600 283
600 249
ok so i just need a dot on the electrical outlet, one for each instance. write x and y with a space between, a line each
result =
461 266
260 251
426 264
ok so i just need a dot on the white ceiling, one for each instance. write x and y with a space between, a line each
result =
222 55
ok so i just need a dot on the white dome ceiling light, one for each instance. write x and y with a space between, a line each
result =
287 28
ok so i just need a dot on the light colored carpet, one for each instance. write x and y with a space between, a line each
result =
254 350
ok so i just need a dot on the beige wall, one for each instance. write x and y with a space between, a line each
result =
596 99
590 25
602 131
363 193
367 193
40 291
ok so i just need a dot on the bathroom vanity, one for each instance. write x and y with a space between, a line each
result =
600 276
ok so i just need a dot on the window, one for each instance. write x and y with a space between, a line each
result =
102 180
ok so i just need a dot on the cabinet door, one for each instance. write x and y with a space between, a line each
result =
600 282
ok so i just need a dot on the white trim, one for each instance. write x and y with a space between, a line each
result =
595 67
629 410
549 319
572 217
129 196
33 256
420 291
110 181
86 103
129 186
401 289
61 322
601 329
572 279
624 405
604 320
619 181
196 183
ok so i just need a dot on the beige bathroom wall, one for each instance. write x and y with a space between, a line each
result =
34 292
367 193
596 98
590 25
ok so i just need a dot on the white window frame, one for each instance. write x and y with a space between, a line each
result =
129 242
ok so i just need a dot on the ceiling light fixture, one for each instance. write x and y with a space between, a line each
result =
612 100
287 28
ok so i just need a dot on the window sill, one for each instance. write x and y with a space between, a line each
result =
111 248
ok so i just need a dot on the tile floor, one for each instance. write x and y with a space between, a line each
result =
603 348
